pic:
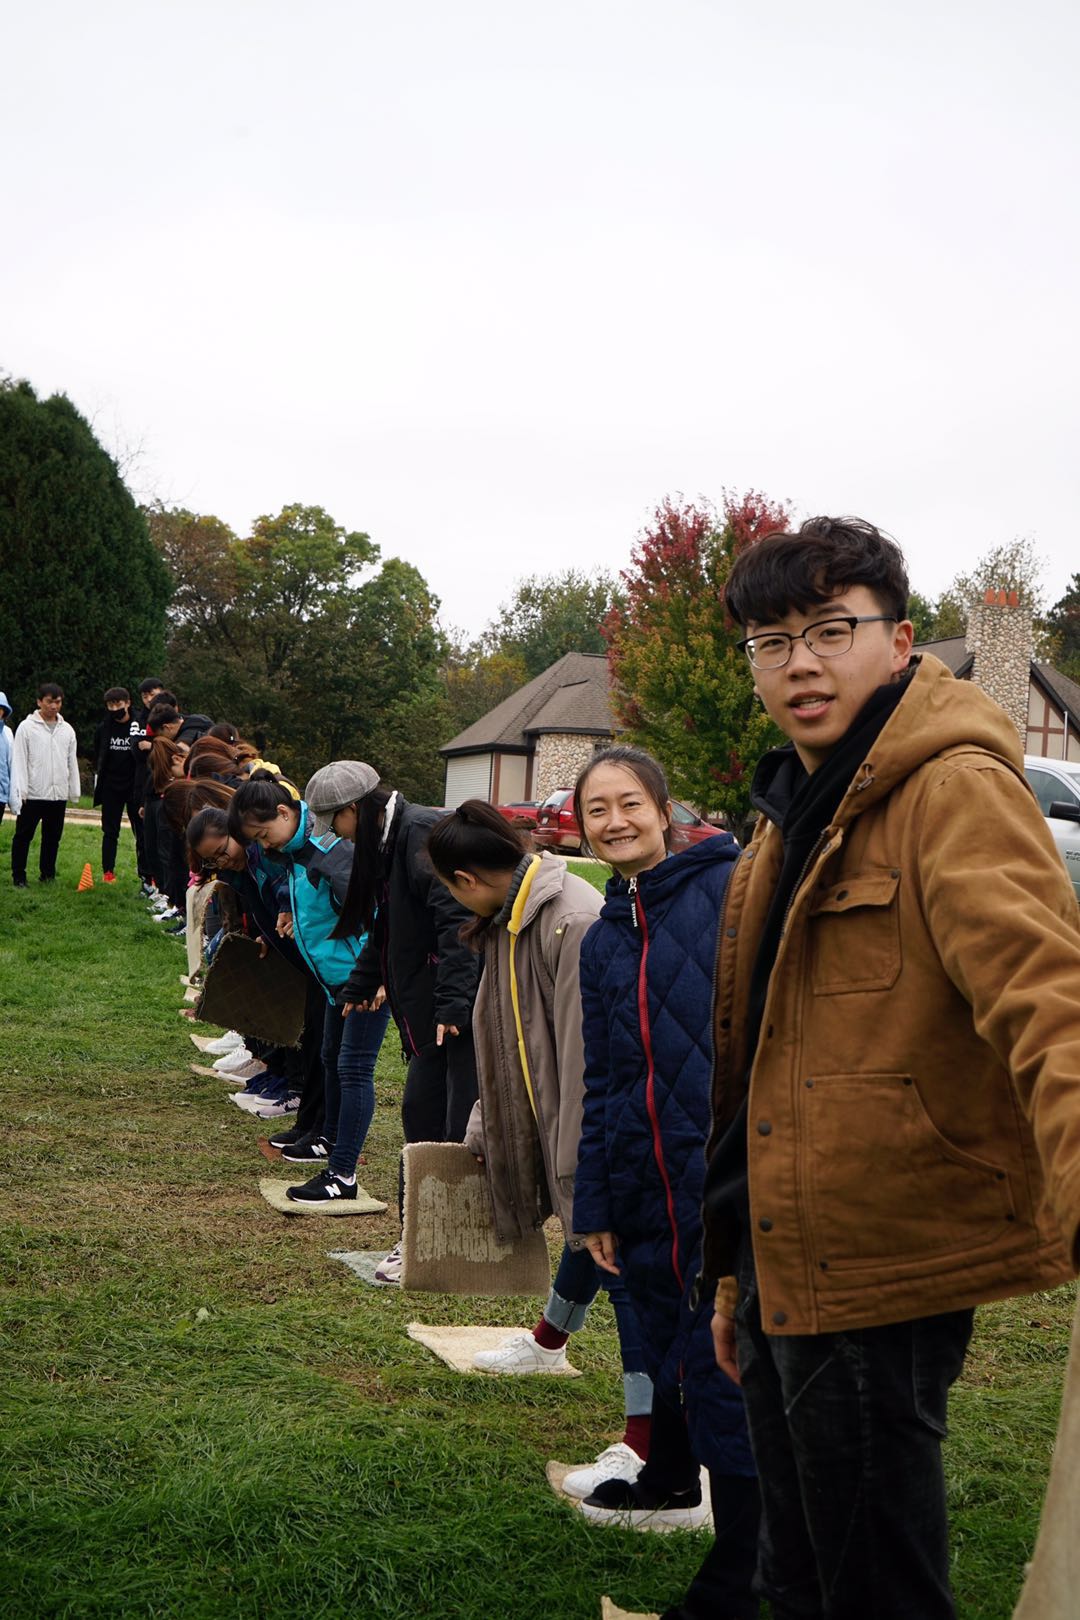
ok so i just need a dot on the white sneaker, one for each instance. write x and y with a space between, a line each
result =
388 1271
225 1043
232 1060
619 1461
170 914
521 1354
244 1071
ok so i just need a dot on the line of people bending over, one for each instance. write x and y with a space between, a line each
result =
563 1035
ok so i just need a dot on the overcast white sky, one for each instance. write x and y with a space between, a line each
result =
488 279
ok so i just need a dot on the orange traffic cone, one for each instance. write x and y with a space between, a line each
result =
87 879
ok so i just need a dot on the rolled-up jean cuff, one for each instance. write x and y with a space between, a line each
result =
637 1394
564 1315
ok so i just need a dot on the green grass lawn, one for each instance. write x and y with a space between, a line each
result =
292 1451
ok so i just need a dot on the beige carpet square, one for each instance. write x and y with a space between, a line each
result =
273 1190
457 1346
611 1611
449 1243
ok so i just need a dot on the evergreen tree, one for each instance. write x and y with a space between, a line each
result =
84 591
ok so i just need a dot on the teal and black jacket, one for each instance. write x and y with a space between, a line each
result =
318 871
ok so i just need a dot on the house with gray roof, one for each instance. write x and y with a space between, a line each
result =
997 653
537 739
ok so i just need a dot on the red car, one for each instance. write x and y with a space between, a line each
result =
522 813
557 828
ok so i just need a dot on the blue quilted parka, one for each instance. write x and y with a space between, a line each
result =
646 989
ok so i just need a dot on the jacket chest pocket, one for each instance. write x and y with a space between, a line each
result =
854 934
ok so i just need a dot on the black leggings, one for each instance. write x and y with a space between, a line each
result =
440 1089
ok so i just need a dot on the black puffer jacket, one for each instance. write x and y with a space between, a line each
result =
413 949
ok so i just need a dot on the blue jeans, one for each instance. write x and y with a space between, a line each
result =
577 1282
349 1050
847 1431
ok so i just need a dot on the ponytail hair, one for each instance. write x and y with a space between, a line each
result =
358 912
181 800
474 838
257 800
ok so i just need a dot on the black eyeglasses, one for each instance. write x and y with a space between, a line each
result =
828 639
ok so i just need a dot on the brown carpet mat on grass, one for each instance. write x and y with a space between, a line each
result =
259 995
1053 1576
273 1190
449 1244
611 1611
203 1042
212 1074
457 1346
268 1152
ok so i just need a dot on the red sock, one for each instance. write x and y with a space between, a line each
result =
547 1337
637 1434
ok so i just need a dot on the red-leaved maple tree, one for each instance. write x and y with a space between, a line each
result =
682 688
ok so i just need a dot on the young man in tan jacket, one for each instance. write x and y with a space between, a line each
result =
897 1072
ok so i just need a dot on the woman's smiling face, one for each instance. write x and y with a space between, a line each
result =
622 822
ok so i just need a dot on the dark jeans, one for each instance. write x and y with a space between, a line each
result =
113 806
440 1089
847 1431
349 1050
577 1283
50 814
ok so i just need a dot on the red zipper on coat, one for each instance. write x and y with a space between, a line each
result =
650 1086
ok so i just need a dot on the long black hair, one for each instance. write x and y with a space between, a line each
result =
258 800
475 838
358 912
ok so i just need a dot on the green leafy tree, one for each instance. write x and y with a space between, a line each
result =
1063 624
299 636
549 615
83 592
922 613
682 688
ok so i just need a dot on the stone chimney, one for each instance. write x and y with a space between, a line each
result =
1001 642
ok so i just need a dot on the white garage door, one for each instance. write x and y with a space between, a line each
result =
468 777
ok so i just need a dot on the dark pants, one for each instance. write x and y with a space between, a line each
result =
349 1051
50 813
303 1065
847 1431
440 1089
113 806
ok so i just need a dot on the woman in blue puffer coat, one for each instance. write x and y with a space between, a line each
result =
646 989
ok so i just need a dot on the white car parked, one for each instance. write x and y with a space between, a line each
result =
1056 785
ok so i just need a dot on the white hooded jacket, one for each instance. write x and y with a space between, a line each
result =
43 763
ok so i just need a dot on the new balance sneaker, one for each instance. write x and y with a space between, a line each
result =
287 1138
521 1354
619 1461
147 890
225 1043
632 1504
325 1188
179 932
108 877
309 1150
388 1271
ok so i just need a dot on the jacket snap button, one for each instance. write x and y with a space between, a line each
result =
765 1224
725 1023
764 1128
841 894
731 933
779 1318
809 1085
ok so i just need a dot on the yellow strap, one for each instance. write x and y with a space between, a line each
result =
513 928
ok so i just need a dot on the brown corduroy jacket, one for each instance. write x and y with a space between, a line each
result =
531 1158
913 1128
